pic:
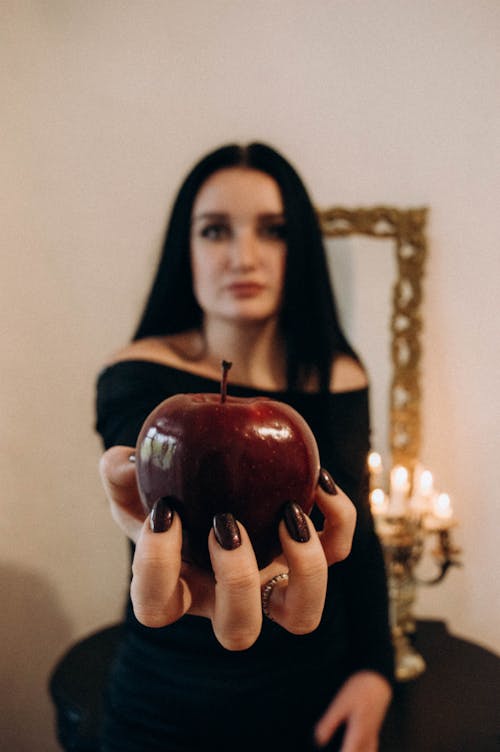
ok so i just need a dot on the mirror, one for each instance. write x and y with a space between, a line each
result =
376 258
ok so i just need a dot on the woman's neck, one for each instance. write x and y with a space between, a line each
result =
257 352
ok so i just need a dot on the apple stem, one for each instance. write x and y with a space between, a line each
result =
223 387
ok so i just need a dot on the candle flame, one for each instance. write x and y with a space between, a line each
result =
374 461
377 496
378 502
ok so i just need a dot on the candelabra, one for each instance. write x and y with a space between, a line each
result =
405 518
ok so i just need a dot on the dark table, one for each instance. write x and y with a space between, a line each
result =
453 707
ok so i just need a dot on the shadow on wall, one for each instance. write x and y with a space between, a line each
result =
34 631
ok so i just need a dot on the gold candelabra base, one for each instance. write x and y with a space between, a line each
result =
403 539
409 663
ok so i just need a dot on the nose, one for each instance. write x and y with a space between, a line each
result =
244 250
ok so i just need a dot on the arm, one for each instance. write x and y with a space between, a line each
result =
360 705
362 702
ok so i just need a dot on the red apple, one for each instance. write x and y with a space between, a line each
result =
212 453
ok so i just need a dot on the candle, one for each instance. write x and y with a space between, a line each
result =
442 507
441 517
378 502
399 489
424 491
375 467
426 484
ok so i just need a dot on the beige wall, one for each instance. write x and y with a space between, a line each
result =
105 105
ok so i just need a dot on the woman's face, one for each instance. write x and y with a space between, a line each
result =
238 246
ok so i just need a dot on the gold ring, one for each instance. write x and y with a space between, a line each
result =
267 589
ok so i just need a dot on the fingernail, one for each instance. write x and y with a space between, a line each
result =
296 523
161 516
131 458
227 532
325 481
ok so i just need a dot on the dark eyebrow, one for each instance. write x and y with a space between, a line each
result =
217 216
272 217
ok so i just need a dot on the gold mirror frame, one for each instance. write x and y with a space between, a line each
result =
407 227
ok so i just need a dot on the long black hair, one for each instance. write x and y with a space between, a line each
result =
308 319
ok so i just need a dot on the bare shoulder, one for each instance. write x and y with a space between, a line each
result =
141 349
347 374
171 350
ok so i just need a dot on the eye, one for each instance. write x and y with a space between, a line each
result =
273 231
215 231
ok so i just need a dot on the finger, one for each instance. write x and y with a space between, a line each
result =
334 716
298 607
340 519
361 704
356 739
237 618
159 596
120 485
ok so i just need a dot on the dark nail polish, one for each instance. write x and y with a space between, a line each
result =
227 532
161 516
325 481
296 523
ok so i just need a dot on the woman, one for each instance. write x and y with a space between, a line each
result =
243 276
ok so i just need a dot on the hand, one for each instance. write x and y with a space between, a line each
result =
360 704
164 587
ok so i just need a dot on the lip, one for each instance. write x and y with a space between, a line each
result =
245 289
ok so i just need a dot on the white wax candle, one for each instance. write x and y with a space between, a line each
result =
378 502
441 517
423 491
399 489
442 507
375 468
426 484
375 462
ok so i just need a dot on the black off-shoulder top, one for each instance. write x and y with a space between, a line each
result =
182 666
